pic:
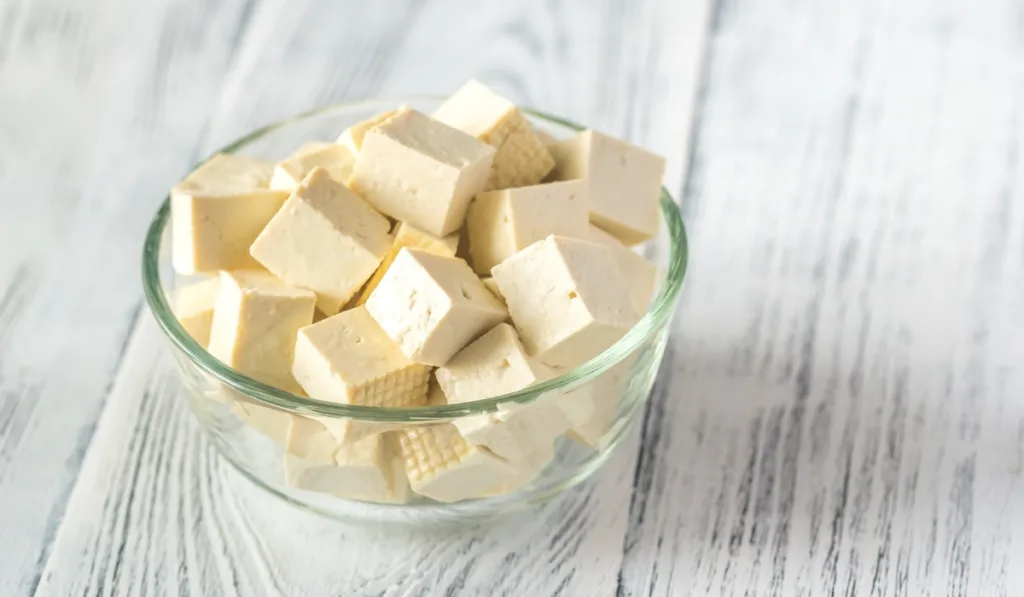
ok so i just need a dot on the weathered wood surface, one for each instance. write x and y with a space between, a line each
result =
842 406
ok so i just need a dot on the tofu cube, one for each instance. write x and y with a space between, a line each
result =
193 306
494 365
502 223
418 170
336 159
567 298
218 210
270 422
352 137
440 464
367 470
348 359
641 275
255 322
493 287
407 235
433 306
325 239
521 158
593 409
624 182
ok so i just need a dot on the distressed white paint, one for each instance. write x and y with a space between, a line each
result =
843 407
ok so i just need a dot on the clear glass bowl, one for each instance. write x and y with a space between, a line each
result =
245 418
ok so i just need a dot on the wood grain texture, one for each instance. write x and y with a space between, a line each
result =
150 477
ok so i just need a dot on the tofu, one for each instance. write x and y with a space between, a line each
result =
494 365
614 170
255 322
193 306
432 306
407 235
348 359
218 210
310 440
593 409
352 137
443 466
491 285
641 275
366 470
567 299
336 159
521 158
268 421
325 239
418 170
502 223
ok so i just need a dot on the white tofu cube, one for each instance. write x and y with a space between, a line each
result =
325 239
432 306
407 235
367 470
193 306
567 299
502 223
624 182
443 466
494 365
255 322
352 137
336 159
271 422
218 210
641 275
593 409
416 169
521 158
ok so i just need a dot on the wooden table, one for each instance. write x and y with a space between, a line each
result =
841 409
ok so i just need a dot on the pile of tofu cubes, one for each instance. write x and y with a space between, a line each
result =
421 260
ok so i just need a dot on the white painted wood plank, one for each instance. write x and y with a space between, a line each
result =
148 514
846 415
92 96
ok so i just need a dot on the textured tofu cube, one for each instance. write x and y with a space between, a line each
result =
432 306
352 137
193 306
567 298
255 322
336 159
416 169
640 274
624 182
367 470
502 223
521 158
493 365
407 235
440 464
325 239
218 210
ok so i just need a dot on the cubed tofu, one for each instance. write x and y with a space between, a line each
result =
193 306
367 470
493 287
502 223
641 274
418 170
255 322
494 365
624 182
594 409
336 159
567 299
440 464
271 422
352 137
433 306
521 158
218 210
407 235
325 239
348 359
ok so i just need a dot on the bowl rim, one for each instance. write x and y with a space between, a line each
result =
656 317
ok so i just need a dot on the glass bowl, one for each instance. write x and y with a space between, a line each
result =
248 421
